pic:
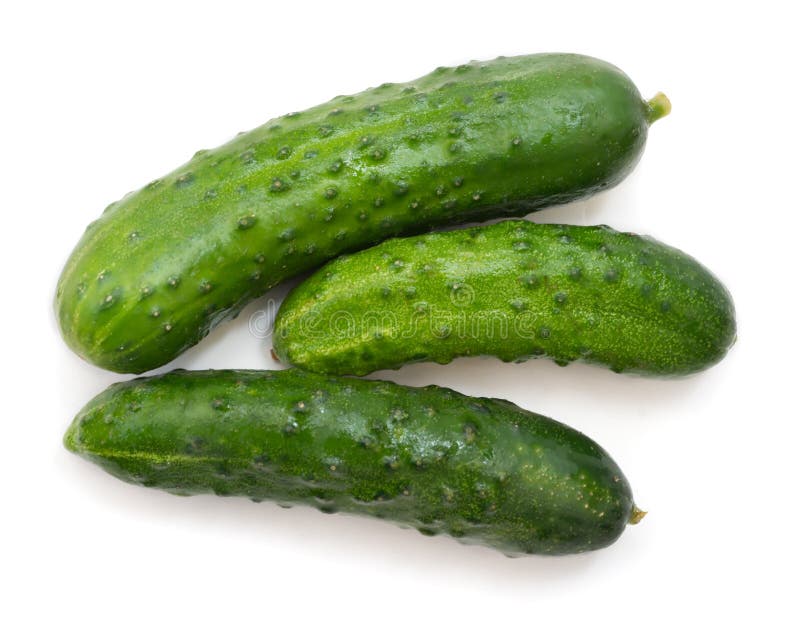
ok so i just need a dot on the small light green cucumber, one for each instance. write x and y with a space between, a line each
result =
514 290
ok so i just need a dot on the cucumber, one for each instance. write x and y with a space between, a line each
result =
482 470
168 262
514 290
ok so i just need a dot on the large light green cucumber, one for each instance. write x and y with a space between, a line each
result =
168 262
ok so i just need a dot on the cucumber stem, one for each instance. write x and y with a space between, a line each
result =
657 107
636 515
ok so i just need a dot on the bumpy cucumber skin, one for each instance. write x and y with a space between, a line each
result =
168 262
514 290
482 470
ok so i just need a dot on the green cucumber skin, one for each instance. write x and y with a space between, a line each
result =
513 290
168 262
482 470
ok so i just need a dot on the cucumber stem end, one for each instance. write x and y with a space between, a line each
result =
658 107
636 515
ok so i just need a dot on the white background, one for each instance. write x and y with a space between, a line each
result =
99 98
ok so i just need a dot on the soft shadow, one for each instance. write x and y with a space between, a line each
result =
241 343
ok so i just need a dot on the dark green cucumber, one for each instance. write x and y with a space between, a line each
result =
482 470
514 290
167 263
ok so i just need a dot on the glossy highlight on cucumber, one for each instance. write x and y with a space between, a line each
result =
482 470
168 262
513 290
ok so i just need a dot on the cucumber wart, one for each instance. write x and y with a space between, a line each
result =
168 262
514 290
482 470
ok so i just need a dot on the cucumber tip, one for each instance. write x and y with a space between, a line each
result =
658 107
636 515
